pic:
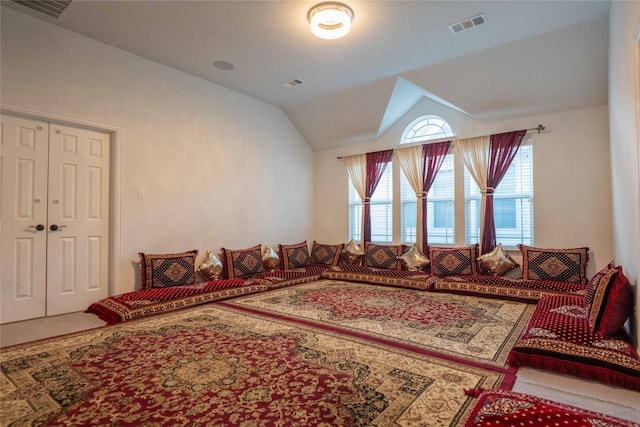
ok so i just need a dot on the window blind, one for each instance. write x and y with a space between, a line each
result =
512 203
440 207
381 210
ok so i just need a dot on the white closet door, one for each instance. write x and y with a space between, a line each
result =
78 229
23 218
54 223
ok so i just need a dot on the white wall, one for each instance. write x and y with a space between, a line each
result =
218 168
572 178
624 100
223 169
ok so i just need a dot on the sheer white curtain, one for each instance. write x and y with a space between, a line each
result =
411 162
356 167
475 154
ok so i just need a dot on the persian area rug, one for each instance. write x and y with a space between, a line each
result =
472 329
505 408
215 366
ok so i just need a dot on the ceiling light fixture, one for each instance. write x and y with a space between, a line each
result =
330 20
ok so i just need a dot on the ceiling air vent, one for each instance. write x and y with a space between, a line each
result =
52 8
465 24
292 83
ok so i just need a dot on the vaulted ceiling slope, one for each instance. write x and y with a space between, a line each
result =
529 57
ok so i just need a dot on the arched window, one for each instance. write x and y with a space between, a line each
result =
440 200
426 128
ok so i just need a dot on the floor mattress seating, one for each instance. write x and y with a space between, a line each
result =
506 408
148 302
363 274
282 278
136 304
507 288
558 338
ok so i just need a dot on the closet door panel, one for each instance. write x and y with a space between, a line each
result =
78 207
23 218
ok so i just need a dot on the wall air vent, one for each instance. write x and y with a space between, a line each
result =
51 8
292 83
468 23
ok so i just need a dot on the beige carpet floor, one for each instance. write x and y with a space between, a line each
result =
46 327
585 394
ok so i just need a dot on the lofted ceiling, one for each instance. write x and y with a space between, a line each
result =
529 57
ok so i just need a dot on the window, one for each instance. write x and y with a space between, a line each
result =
512 200
426 128
440 208
512 203
440 200
381 210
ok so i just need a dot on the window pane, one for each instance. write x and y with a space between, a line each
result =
440 217
426 128
440 207
472 220
381 210
408 212
355 216
512 203
522 232
504 213
381 230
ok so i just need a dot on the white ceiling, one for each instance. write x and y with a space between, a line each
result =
530 57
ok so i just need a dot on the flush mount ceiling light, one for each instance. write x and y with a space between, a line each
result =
330 20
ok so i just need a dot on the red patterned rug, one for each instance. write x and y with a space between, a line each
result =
463 328
509 409
217 366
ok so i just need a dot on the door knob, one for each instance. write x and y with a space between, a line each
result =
55 227
38 227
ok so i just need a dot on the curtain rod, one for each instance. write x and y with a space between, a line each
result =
538 128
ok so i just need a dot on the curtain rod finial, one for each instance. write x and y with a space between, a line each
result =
540 128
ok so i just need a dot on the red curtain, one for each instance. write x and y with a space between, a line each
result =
504 147
376 163
432 157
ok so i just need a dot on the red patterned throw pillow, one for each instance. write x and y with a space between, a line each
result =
612 302
242 262
453 261
294 256
383 256
561 265
326 254
165 270
593 283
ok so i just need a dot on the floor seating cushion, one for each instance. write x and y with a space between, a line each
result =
558 338
508 288
378 276
283 278
507 408
147 302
